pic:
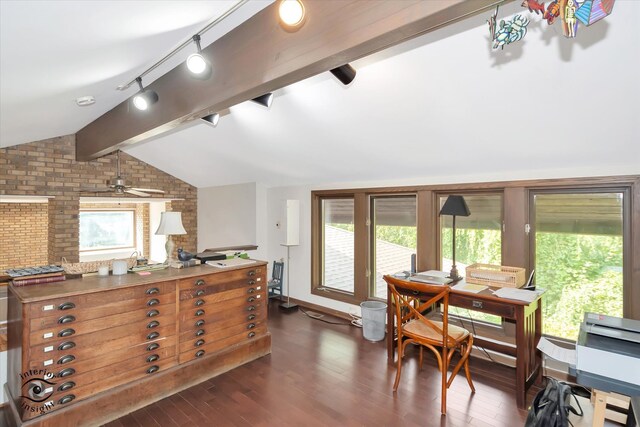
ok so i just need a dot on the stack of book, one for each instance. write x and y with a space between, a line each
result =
36 275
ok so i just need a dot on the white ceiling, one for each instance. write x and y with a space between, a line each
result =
442 105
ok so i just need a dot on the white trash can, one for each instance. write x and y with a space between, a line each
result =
373 320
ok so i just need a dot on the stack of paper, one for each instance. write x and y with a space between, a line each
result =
518 294
469 287
233 262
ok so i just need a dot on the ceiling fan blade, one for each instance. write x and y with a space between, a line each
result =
94 190
136 193
148 190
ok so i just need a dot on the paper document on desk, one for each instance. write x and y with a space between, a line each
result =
430 277
556 352
233 262
518 294
469 287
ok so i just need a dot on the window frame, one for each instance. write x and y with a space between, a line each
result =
114 248
515 242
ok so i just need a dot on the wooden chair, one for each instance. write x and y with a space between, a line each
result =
277 277
441 338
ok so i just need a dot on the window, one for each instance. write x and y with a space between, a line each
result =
107 229
478 239
394 238
338 244
578 256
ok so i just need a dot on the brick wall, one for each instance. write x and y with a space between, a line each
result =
48 167
23 228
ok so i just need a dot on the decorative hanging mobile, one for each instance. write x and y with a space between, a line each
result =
510 31
571 12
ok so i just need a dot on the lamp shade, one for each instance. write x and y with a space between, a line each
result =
455 205
170 224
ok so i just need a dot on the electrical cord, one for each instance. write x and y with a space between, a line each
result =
323 320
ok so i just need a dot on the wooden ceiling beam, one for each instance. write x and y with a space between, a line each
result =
259 56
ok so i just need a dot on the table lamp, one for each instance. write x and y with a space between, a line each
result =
455 206
170 225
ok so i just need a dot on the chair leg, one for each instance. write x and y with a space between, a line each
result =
421 348
443 398
399 368
467 374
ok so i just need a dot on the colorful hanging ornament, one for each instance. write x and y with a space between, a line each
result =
510 31
568 16
552 12
533 6
592 11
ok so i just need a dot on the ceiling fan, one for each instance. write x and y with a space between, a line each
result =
119 186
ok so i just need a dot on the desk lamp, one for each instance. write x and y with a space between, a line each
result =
455 206
170 225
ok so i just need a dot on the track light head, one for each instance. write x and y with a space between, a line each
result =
265 100
291 14
345 73
196 63
212 119
143 99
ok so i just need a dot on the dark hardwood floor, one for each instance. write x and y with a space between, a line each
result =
327 375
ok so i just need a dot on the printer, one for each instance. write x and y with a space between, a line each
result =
608 354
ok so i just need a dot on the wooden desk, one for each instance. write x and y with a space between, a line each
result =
528 323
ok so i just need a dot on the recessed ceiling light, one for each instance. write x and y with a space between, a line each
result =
291 13
83 101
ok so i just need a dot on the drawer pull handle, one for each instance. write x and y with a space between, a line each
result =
251 317
152 358
200 332
199 302
198 343
153 302
152 291
199 282
153 313
251 325
251 273
66 319
199 323
66 372
66 345
68 398
153 346
251 282
251 290
199 353
251 334
199 312
66 332
66 306
251 308
66 359
153 324
251 299
199 292
67 386
153 335
153 369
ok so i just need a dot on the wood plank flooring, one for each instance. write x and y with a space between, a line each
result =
321 374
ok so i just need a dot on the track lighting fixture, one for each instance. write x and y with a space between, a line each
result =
212 119
264 100
291 14
196 63
145 97
345 73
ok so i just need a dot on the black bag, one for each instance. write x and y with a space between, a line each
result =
551 406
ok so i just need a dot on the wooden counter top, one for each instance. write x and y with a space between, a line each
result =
33 293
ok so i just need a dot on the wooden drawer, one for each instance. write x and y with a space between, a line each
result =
95 362
252 285
222 318
246 293
189 341
96 299
255 272
89 345
66 330
122 310
63 399
191 352
491 307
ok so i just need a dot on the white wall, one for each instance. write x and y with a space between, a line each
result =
227 215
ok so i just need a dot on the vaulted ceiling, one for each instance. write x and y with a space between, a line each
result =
442 105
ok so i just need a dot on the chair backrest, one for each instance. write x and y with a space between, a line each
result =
409 299
278 271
